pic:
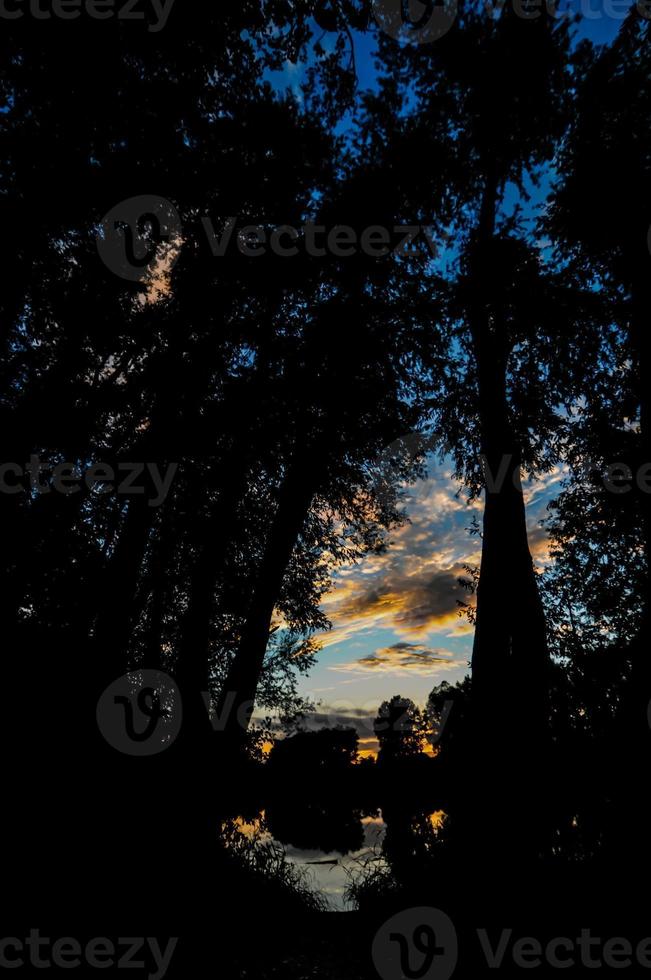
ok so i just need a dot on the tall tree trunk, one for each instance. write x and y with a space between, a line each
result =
118 588
510 660
239 690
192 661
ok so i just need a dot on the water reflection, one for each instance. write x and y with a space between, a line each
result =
333 846
315 825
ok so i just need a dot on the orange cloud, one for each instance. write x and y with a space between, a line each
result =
413 587
411 602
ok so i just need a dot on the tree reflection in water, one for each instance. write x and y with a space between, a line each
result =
342 851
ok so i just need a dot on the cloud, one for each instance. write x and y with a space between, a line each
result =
413 588
340 716
539 545
401 658
410 595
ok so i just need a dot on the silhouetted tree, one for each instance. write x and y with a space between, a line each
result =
606 160
400 730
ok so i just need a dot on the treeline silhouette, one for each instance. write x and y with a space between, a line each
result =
331 770
287 390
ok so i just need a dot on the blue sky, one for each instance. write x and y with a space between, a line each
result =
599 22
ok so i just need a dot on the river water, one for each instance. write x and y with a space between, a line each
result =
330 872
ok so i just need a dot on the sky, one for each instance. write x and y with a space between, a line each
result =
599 22
396 622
